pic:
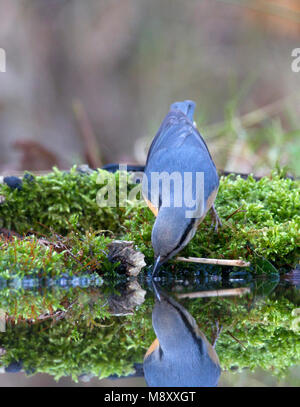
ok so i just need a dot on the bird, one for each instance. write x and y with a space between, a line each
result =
178 149
181 355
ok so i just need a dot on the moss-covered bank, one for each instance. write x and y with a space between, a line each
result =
259 218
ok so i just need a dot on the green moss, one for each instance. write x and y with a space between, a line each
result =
64 231
257 332
47 203
65 349
263 336
267 222
54 256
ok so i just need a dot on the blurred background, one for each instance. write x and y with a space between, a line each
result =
90 82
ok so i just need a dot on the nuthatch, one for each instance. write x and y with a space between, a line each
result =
179 149
180 356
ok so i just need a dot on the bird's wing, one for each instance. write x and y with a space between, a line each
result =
178 147
175 130
182 157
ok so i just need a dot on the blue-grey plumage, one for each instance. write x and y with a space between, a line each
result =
178 148
181 355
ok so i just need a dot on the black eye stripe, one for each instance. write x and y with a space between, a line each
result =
187 231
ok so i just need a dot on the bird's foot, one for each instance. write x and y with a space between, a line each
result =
216 221
216 333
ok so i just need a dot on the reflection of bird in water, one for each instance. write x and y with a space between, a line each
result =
180 355
178 153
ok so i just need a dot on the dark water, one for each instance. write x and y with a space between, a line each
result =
83 330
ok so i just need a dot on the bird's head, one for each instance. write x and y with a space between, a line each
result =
171 232
187 107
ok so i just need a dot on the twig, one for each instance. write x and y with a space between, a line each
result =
220 262
236 211
216 293
236 339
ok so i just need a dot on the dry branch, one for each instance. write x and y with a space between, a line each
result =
220 262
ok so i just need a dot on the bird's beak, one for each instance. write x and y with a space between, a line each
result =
156 266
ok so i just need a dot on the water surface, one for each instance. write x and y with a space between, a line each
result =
83 330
